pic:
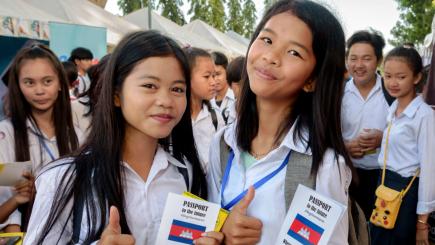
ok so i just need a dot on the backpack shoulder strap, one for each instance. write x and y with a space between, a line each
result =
298 172
213 115
224 151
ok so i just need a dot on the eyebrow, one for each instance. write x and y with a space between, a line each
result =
158 79
30 78
291 41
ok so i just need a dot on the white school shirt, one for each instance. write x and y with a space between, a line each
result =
203 132
7 154
412 146
227 100
268 205
358 114
79 110
144 200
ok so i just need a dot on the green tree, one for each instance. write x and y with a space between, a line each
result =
199 9
171 9
217 14
249 18
268 3
235 18
414 22
128 6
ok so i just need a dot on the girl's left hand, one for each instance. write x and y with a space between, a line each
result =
422 237
210 238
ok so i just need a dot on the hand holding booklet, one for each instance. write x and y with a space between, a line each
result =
11 173
185 218
311 218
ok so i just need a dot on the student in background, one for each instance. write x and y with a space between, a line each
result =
82 58
72 76
140 148
234 76
288 107
224 94
206 121
363 113
39 127
407 147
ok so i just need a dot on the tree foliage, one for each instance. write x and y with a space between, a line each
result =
250 17
170 9
235 18
414 22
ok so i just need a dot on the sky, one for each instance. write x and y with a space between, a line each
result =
354 15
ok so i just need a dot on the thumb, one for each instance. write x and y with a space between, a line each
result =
243 205
113 227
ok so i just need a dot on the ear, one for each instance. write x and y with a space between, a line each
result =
117 99
309 86
418 78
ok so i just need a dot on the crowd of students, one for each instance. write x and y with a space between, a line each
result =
108 142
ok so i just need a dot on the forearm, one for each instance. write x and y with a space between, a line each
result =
7 209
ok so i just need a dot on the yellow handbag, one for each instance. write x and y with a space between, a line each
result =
388 201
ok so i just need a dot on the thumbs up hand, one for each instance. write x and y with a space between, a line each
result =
240 228
112 233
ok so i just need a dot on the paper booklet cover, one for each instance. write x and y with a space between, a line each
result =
11 173
311 218
185 219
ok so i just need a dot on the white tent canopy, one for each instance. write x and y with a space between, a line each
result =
168 27
204 30
86 13
21 9
238 37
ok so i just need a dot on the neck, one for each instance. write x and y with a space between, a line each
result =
196 106
139 151
221 94
270 115
81 72
403 102
365 87
45 122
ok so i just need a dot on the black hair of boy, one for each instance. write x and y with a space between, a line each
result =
220 59
71 72
374 38
81 53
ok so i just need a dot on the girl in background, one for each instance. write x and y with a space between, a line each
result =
407 146
39 126
205 120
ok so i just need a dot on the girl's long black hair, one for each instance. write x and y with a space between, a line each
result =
19 110
317 111
95 174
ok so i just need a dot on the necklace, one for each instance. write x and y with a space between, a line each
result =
258 156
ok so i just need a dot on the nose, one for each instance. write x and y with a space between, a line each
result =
39 89
271 56
164 99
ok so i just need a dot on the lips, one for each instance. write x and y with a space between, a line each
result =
163 118
41 102
265 74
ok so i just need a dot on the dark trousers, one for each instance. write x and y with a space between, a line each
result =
404 230
364 192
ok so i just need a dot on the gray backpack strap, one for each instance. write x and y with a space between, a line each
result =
224 151
298 172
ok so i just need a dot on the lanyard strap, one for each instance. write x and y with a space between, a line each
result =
385 162
41 140
256 185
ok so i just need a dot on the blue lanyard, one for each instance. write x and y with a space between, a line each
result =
41 140
256 184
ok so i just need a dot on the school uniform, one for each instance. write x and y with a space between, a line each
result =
332 180
226 105
144 200
79 111
203 132
411 146
42 151
357 114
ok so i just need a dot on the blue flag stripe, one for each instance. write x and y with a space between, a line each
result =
298 238
309 224
180 239
188 225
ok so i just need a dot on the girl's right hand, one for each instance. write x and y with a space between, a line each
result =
112 233
240 228
24 189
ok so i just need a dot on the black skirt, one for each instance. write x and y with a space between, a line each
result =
404 230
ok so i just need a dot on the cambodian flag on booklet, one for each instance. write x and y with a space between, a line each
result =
305 231
184 232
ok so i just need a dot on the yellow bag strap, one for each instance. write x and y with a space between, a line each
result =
385 162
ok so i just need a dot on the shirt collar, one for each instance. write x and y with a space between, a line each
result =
409 111
162 159
289 141
351 87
